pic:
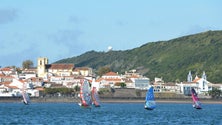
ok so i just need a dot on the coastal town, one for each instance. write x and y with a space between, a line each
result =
47 75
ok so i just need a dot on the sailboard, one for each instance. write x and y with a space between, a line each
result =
150 103
85 96
196 101
25 96
95 97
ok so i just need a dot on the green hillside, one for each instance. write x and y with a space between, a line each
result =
171 60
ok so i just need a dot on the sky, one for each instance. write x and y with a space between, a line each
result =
59 29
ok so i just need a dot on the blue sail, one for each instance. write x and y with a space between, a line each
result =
150 103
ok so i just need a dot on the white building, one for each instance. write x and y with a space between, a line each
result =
95 84
141 83
201 85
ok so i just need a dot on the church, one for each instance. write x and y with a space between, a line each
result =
201 85
46 70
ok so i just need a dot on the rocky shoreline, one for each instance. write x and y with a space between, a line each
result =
107 100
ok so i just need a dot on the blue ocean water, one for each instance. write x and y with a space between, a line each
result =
108 114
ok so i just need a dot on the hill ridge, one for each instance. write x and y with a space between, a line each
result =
171 60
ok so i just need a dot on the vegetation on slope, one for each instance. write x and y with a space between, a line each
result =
171 60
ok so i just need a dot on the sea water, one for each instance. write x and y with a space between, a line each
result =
109 114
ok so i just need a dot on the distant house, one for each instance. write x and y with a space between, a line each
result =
111 75
84 71
6 71
141 82
185 87
171 87
129 83
14 88
110 79
218 86
131 73
158 85
4 78
66 81
60 69
30 71
34 82
9 90
26 75
95 83
5 90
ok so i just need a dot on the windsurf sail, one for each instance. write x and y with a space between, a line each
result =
95 97
196 102
150 103
85 96
26 98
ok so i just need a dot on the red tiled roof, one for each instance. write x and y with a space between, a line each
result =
13 87
134 76
3 76
189 83
110 79
34 79
21 81
99 80
196 80
6 83
81 68
60 66
6 69
111 74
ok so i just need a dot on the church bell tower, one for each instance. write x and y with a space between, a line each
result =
41 67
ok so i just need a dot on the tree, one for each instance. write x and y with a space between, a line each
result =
123 85
27 64
77 88
18 70
215 93
103 70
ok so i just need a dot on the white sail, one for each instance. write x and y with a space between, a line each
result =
85 95
25 95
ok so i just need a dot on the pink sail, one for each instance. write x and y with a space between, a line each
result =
196 102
